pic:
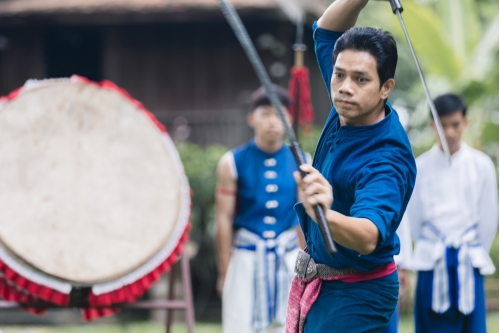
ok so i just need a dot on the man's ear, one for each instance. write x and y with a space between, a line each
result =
387 88
250 120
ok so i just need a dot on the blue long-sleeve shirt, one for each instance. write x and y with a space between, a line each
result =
371 169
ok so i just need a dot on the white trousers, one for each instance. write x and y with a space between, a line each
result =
238 293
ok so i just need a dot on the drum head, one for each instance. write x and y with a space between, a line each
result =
89 191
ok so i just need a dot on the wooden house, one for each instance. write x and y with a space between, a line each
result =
179 57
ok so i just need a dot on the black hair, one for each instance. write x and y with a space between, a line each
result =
379 43
260 98
449 104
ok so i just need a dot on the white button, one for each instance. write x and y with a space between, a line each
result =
269 220
270 162
271 188
272 204
269 234
270 174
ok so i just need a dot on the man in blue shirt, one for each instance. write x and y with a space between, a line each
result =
363 175
257 229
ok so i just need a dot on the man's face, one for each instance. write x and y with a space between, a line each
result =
267 124
453 126
355 87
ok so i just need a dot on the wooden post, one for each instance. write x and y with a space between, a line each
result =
188 295
171 295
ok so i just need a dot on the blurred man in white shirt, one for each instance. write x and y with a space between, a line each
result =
453 214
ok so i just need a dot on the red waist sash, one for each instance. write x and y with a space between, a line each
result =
304 292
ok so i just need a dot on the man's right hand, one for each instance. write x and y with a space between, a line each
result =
313 189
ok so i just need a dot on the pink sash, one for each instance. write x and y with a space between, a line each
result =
303 293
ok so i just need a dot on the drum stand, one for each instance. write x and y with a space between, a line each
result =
170 304
187 303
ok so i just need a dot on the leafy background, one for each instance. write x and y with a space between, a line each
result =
456 42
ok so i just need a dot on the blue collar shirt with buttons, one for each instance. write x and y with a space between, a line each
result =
371 169
266 191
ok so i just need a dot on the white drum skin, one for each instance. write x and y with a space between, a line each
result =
88 190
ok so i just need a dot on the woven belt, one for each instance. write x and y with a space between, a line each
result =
306 268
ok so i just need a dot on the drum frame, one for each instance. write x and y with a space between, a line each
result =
170 304
17 281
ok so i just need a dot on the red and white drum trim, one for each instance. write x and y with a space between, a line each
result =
20 282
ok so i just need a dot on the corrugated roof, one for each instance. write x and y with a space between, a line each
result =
55 7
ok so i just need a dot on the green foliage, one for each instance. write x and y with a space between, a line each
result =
309 139
494 257
200 165
456 42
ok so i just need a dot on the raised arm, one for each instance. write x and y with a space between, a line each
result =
341 15
225 203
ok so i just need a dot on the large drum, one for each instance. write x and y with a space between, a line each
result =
93 195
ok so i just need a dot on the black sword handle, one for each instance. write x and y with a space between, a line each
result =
318 210
396 6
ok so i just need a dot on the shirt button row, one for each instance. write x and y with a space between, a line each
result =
270 174
269 220
269 234
270 204
270 162
271 188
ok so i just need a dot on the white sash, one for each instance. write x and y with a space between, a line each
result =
470 256
268 252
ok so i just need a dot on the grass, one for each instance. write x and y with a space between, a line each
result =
406 326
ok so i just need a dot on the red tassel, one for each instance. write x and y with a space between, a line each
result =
299 87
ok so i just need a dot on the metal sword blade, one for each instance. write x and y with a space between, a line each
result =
435 115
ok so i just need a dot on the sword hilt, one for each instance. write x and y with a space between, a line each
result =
396 6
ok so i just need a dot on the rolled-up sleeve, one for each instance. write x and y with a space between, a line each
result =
380 194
